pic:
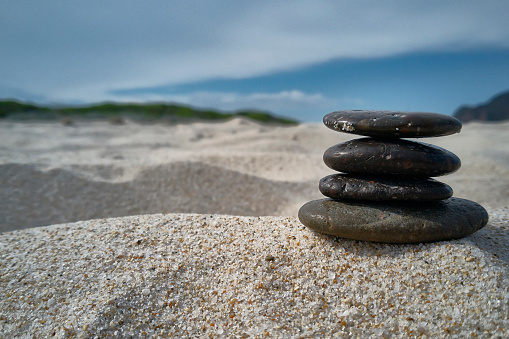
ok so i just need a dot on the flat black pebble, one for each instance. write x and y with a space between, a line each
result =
392 124
393 222
352 187
391 157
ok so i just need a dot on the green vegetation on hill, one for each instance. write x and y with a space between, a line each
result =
146 112
14 107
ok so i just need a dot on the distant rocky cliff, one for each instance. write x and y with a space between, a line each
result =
496 109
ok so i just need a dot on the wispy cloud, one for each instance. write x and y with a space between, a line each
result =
283 102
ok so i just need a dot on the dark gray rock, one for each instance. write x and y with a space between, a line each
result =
354 187
395 222
392 124
391 157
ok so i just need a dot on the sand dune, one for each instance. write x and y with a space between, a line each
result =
31 197
215 274
52 173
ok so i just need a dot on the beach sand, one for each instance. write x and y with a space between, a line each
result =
242 264
54 174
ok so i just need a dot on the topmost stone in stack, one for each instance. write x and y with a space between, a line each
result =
385 176
389 124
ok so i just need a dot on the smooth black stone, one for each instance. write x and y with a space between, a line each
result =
391 157
352 187
395 222
392 124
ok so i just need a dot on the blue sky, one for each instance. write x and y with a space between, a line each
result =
299 59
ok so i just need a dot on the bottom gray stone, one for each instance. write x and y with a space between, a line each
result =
395 222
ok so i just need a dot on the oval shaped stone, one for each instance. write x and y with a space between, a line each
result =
355 187
392 124
391 157
395 222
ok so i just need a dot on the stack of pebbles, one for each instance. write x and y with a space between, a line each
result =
385 192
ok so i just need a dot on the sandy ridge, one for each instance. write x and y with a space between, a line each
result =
218 275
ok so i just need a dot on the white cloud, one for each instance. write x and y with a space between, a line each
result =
65 50
283 100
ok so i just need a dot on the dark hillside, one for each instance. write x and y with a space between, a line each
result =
151 112
497 109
